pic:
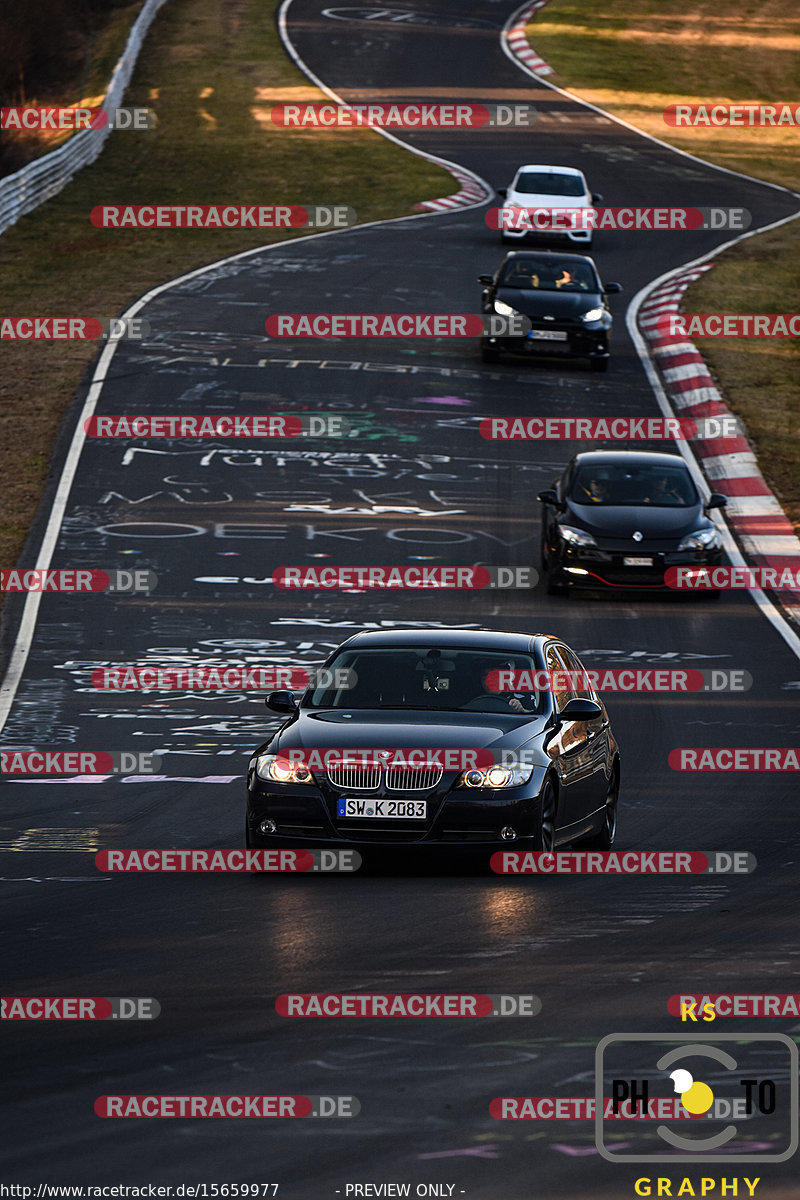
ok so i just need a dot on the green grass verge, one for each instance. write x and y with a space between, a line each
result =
210 71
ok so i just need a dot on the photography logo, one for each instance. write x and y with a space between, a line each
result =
734 1097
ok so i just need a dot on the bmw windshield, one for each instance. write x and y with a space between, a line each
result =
451 680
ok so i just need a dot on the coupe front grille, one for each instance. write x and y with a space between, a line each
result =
363 779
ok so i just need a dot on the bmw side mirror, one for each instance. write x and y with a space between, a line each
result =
578 709
281 702
487 279
716 500
502 192
597 198
610 288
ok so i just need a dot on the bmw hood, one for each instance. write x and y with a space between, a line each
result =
343 729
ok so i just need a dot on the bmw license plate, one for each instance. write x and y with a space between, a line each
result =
414 810
637 562
548 335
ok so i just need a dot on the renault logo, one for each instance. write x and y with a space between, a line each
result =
637 537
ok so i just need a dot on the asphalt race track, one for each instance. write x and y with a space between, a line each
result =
416 485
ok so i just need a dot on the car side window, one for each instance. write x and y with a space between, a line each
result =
583 687
558 669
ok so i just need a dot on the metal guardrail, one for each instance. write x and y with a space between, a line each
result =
29 187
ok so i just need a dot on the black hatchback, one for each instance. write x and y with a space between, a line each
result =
449 738
621 518
564 300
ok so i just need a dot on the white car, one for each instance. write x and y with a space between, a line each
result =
540 187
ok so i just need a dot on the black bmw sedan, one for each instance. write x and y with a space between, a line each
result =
446 738
620 518
561 295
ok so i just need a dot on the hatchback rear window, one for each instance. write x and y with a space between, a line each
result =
548 184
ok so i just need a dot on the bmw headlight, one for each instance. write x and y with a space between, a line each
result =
496 777
278 769
504 309
702 539
576 537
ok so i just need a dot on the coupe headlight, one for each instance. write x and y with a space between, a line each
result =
504 309
279 770
576 537
496 777
702 539
594 314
